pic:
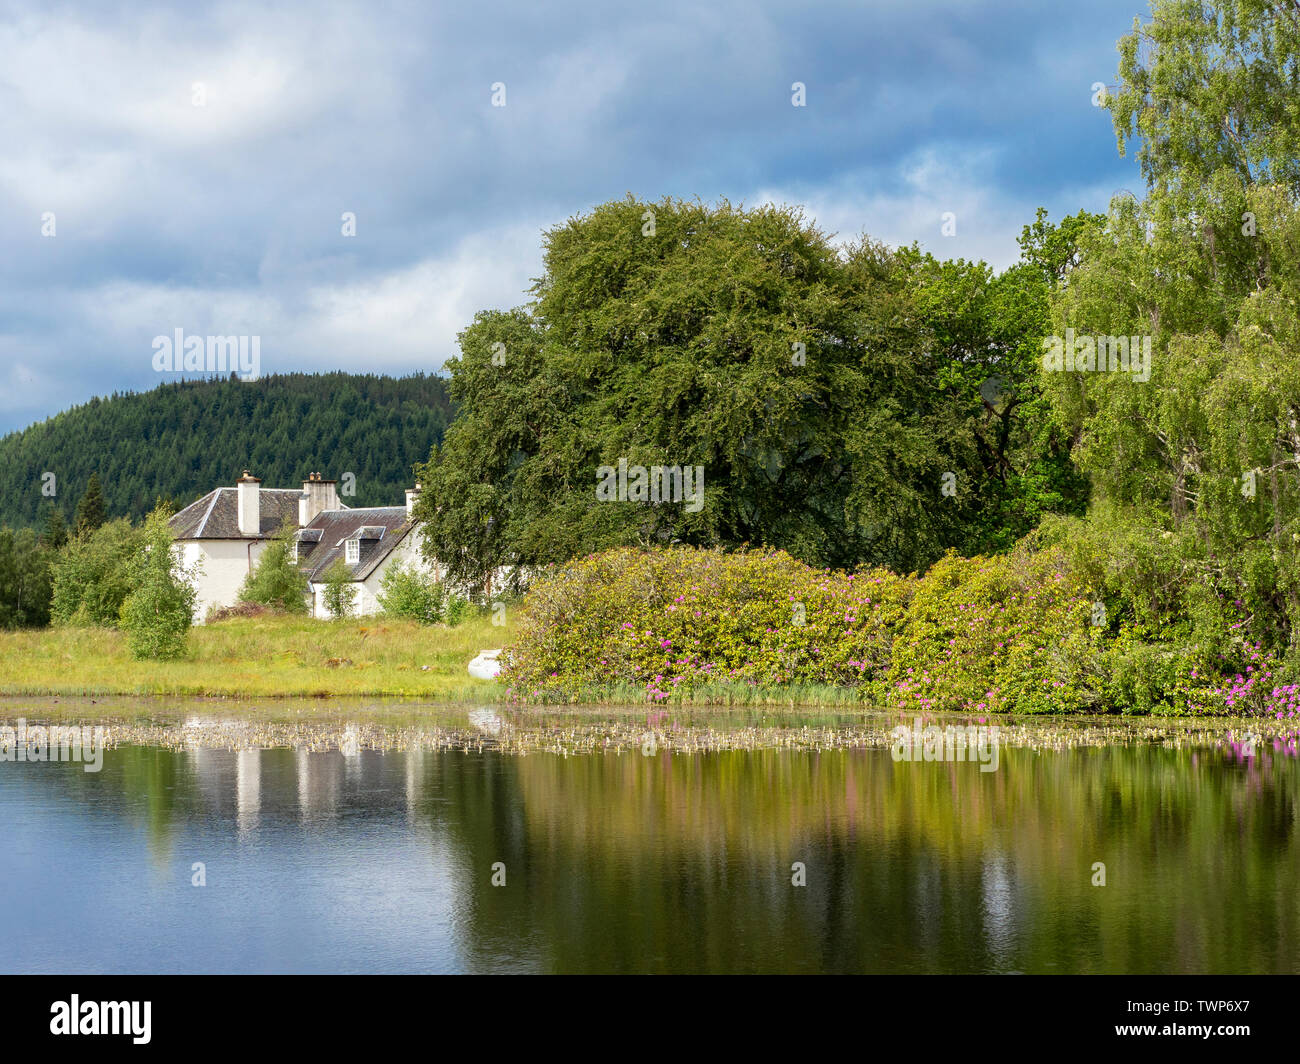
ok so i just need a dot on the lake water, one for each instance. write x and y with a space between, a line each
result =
653 860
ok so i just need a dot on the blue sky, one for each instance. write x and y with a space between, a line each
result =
225 218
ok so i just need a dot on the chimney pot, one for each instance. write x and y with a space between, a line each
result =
249 504
317 495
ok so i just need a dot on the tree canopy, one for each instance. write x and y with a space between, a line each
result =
850 404
1196 474
1212 85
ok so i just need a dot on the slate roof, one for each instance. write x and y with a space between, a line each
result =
216 515
336 526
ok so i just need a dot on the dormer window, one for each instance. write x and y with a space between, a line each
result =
308 536
352 551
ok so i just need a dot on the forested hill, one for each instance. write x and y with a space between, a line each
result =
183 439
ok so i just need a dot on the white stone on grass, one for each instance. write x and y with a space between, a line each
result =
486 666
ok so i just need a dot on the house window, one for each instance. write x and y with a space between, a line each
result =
352 551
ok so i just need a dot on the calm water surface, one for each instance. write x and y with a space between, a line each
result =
383 862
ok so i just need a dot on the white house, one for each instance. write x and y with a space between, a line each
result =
228 528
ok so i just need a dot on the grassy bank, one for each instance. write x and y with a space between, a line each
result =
265 657
281 657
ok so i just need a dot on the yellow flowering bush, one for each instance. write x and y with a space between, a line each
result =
675 619
1019 632
1011 632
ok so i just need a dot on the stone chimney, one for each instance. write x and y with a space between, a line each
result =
250 504
412 496
317 495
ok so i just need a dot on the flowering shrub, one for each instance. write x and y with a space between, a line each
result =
676 619
1017 632
1257 688
1140 673
995 634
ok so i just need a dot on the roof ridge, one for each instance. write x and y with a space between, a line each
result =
216 494
363 509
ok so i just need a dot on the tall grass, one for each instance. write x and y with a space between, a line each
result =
273 657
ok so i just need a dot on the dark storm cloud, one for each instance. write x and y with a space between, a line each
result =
226 218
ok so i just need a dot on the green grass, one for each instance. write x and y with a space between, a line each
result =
264 657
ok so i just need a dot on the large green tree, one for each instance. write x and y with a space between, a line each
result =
25 586
1208 86
1196 472
826 392
90 510
94 573
982 335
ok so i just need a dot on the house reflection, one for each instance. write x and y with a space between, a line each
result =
997 889
252 787
415 769
621 862
248 788
320 783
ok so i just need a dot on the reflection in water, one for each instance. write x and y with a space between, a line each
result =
415 770
248 786
486 720
999 907
357 860
350 745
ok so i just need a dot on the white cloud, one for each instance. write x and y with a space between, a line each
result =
415 313
66 77
407 317
927 184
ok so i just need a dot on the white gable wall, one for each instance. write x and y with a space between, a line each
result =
225 563
365 593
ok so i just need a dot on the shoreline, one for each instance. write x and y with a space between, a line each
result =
353 725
